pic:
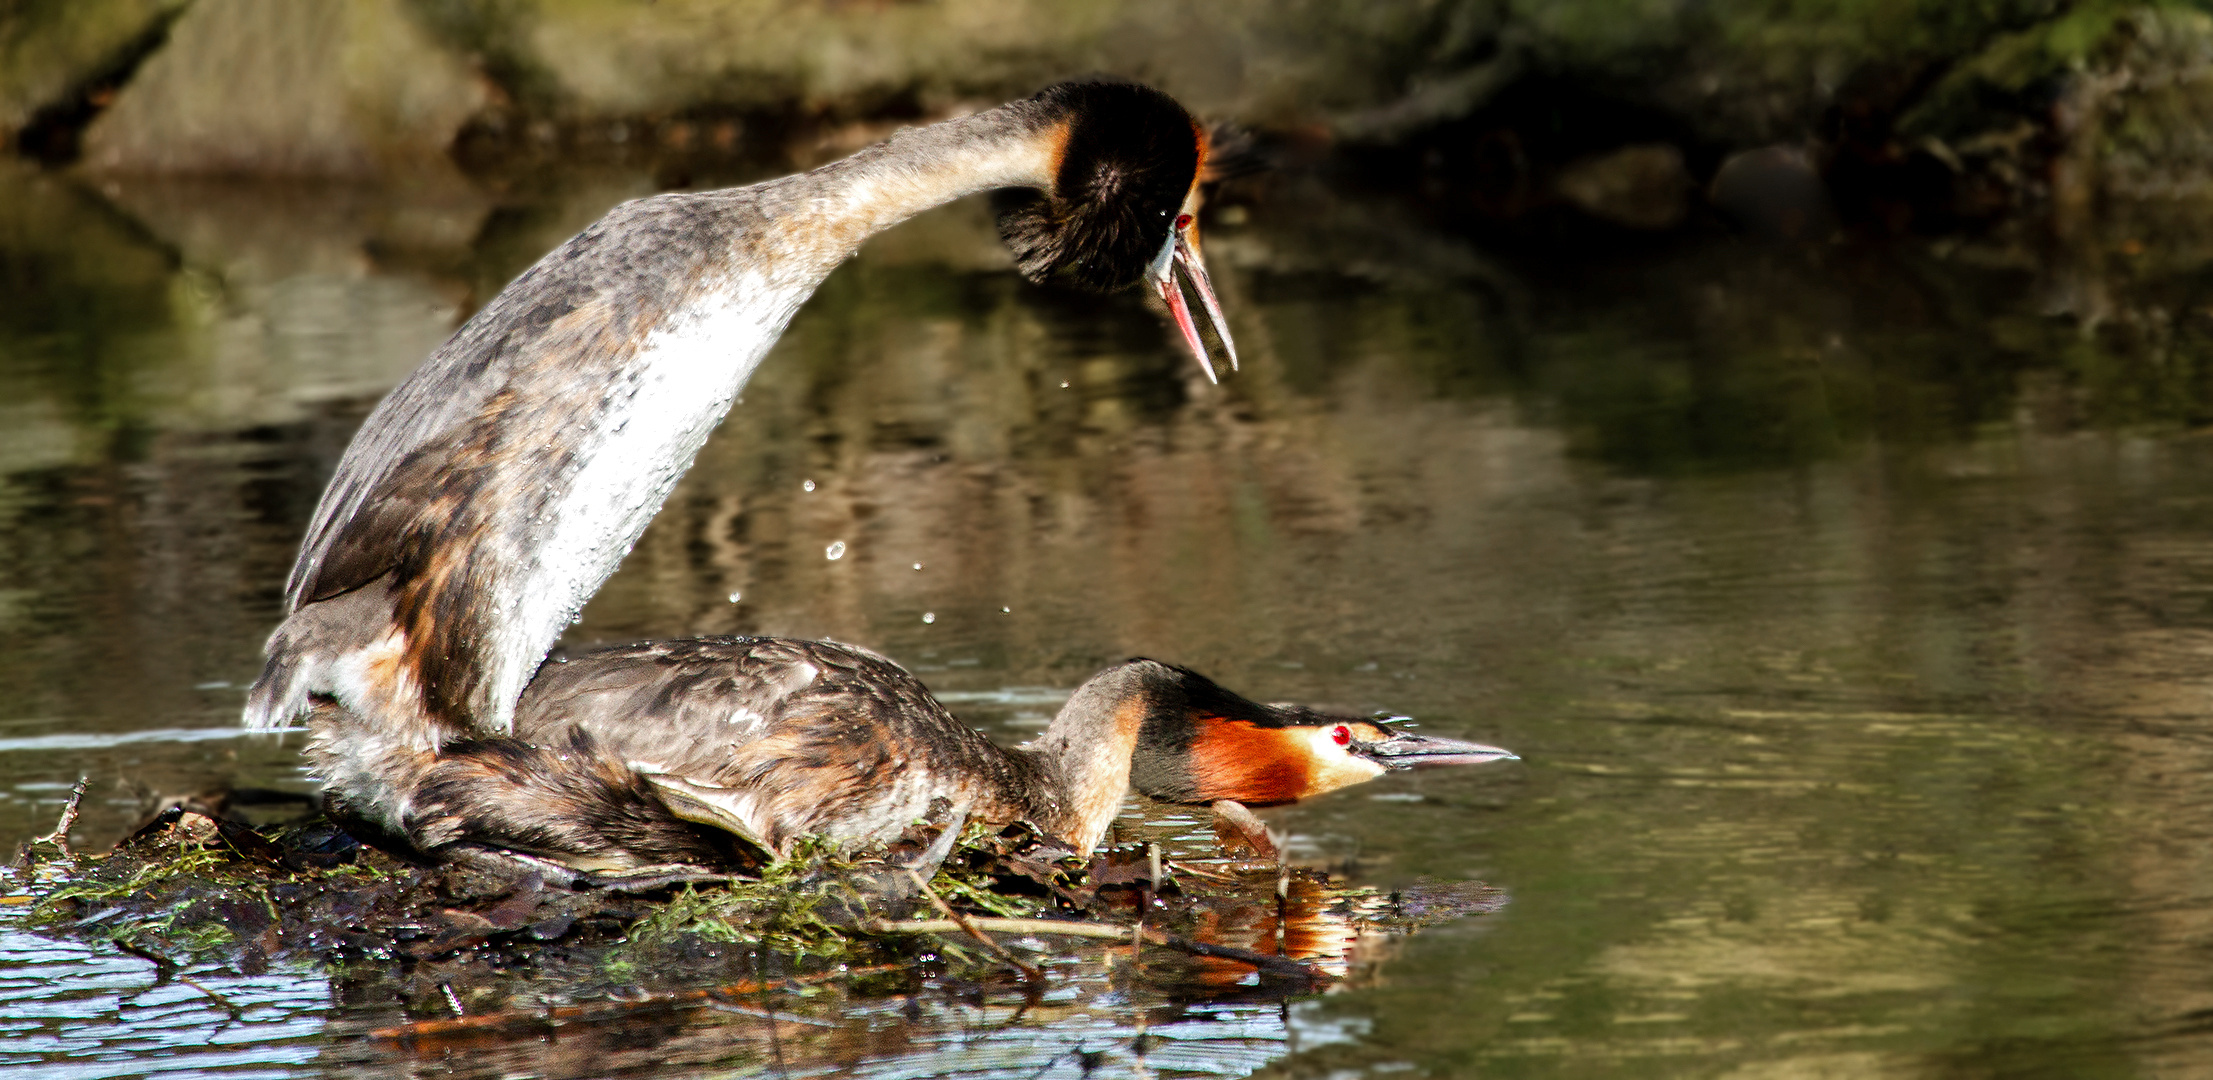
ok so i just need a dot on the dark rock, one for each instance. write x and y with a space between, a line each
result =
1775 192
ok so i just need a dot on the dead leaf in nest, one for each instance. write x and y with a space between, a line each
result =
1020 851
1131 867
457 930
529 895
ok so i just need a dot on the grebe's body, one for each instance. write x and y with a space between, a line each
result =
668 752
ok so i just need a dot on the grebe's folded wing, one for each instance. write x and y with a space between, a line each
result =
733 810
771 739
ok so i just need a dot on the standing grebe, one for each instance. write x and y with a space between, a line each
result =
663 752
485 500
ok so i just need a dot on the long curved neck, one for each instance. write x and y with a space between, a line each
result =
720 317
832 209
1086 751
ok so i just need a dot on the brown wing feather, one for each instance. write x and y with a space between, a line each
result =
441 488
807 738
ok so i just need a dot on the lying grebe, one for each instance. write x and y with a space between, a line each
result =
662 752
488 496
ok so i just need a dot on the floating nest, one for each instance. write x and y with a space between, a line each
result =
480 953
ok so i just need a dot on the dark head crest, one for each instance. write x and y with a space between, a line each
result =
1128 163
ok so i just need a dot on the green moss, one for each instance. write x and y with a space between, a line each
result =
148 877
50 48
185 901
2020 60
800 906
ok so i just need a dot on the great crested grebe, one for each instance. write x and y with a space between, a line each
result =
619 757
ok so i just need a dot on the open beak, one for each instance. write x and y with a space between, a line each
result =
1406 750
1181 252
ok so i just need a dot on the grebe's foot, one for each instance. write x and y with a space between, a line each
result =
892 874
1235 826
649 878
511 866
515 866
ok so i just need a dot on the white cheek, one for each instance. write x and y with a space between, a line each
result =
1337 767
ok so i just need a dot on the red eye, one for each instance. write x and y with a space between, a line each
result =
1183 221
1343 735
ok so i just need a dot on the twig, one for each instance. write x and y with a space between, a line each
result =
435 1032
720 1005
1182 867
165 970
1280 965
60 836
1029 974
1004 926
1276 965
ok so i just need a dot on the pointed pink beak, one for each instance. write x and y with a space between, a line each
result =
1179 252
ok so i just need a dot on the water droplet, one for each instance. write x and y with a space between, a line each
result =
807 486
929 616
835 551
733 597
918 566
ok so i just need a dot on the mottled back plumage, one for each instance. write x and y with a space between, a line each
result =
779 738
678 751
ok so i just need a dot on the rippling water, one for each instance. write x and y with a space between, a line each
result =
69 1010
1854 619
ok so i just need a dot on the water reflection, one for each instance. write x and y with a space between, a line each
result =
67 1011
1853 618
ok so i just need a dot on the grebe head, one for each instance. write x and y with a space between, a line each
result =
1202 743
1124 205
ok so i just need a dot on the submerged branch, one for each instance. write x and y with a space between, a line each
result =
426 1034
968 925
1278 965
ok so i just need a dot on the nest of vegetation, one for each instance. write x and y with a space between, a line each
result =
190 890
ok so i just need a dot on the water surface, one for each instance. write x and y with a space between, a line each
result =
1853 616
